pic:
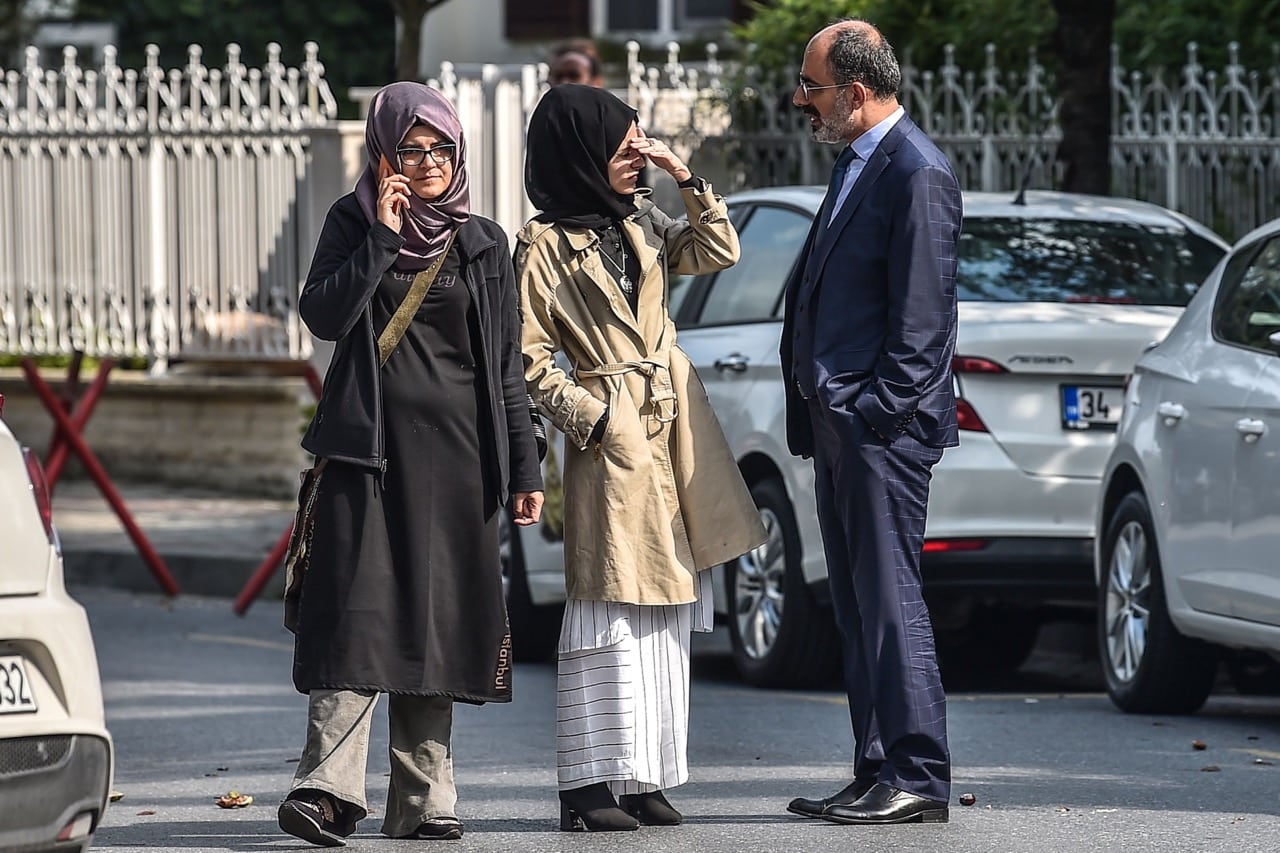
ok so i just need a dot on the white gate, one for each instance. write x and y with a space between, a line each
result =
159 213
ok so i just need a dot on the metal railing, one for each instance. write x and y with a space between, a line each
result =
162 213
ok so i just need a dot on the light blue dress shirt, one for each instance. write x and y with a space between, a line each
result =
863 147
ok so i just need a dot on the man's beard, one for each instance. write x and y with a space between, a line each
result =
832 130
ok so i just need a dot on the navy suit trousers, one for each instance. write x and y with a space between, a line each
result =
872 498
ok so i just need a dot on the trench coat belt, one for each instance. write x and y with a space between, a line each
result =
659 387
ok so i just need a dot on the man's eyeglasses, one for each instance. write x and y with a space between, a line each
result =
808 88
440 154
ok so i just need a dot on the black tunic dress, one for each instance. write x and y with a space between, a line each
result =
404 590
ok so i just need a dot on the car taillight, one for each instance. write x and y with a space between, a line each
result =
40 489
967 419
944 546
975 364
1 404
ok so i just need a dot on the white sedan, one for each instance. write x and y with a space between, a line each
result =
1188 565
1059 294
55 752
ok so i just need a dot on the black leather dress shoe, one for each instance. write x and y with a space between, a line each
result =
846 796
887 804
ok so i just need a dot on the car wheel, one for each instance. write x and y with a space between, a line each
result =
1254 674
1150 668
781 636
535 629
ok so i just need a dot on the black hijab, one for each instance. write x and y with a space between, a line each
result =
573 133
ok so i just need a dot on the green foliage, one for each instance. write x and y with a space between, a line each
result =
775 36
1150 33
88 365
1155 33
357 40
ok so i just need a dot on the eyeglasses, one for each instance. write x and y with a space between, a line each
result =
440 154
808 89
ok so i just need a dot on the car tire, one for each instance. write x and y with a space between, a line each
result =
1150 668
781 636
535 629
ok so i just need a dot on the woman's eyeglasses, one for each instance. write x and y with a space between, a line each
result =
807 88
440 154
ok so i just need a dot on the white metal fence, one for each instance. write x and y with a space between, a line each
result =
159 213
171 213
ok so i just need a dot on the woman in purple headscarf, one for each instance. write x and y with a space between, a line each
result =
422 448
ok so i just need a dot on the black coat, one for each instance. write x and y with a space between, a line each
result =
349 262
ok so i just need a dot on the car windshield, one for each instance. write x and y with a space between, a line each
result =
1047 260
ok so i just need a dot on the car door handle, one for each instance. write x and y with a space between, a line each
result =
1251 429
1171 412
737 362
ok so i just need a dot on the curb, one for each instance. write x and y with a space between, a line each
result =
196 574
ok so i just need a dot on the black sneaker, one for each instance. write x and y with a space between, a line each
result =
315 818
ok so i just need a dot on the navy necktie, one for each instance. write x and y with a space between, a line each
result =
837 181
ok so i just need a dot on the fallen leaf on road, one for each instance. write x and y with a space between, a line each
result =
967 799
1210 768
116 796
1199 744
1263 762
1063 809
145 812
234 800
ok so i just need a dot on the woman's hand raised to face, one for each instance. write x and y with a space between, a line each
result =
393 196
661 156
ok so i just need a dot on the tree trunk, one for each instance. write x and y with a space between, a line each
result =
409 45
1082 40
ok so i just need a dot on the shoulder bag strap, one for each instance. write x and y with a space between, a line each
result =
400 320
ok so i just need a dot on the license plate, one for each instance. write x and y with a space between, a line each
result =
1091 406
16 695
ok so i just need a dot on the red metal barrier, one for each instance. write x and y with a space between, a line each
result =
68 437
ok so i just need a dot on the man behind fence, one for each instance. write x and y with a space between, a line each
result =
866 352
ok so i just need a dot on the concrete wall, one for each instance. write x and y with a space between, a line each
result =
236 435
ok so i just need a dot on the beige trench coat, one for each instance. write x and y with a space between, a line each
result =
661 498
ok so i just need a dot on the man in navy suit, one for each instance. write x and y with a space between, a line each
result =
867 343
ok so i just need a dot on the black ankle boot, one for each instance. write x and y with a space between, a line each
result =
593 809
651 809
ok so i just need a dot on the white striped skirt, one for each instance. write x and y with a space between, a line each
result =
622 704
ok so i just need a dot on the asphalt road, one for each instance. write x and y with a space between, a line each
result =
199 702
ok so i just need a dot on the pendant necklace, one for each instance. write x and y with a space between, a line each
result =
624 281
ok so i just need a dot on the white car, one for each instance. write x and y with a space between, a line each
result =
55 752
1188 563
1059 295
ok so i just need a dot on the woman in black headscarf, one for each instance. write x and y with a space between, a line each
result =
641 531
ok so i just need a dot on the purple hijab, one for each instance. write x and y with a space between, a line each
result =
395 110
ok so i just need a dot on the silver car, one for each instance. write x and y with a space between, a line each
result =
1188 573
55 752
1059 294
